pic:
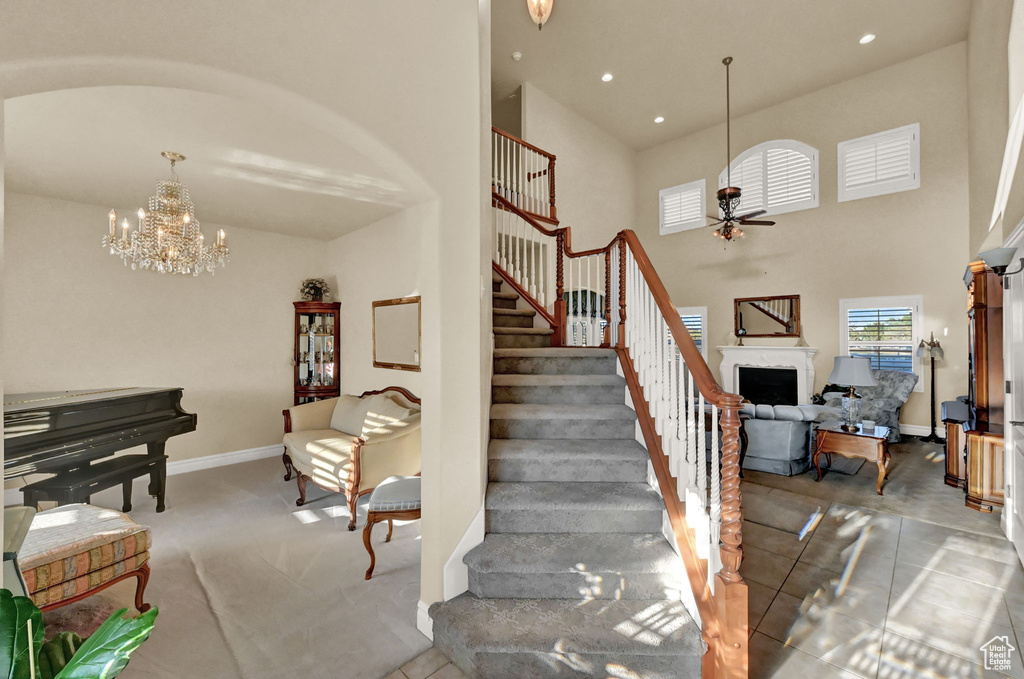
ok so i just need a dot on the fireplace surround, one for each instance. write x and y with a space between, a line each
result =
800 359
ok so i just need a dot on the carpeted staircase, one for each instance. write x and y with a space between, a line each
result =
574 577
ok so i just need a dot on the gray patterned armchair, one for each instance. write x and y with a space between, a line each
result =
881 403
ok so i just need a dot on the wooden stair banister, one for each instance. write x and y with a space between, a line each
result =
516 165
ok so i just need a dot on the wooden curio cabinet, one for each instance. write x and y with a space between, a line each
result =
984 430
316 346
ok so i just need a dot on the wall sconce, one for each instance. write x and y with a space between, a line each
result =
999 258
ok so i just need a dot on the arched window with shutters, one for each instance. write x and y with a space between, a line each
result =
777 176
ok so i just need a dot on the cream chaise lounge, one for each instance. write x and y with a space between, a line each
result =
350 444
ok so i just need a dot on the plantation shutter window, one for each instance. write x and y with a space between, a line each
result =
884 330
695 319
777 176
881 163
682 207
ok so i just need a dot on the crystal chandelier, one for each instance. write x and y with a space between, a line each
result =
167 236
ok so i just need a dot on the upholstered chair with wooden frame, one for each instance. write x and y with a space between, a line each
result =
350 444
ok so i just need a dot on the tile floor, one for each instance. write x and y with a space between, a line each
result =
864 593
430 665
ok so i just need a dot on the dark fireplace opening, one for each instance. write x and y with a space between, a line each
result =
770 386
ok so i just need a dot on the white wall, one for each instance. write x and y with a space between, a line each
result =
76 318
914 242
380 261
988 120
594 172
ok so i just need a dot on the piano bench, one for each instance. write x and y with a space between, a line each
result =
78 485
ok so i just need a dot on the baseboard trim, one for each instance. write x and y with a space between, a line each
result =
916 430
196 464
423 622
13 496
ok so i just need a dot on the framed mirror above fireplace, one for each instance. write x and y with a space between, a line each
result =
767 316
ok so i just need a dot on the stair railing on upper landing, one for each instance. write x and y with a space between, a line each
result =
613 297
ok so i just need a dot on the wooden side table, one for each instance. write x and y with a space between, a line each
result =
873 447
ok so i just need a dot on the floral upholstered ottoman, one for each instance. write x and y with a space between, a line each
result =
74 551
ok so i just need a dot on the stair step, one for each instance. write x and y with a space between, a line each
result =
513 318
554 361
566 380
504 300
558 352
523 331
532 338
526 460
561 421
569 389
574 566
494 638
556 507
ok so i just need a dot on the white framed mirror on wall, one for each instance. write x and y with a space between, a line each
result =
396 333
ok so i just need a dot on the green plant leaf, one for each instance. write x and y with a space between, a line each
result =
106 652
15 612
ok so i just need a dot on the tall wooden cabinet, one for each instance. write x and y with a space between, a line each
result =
316 344
983 452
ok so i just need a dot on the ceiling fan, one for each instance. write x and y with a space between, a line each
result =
729 197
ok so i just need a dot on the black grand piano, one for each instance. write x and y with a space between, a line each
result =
70 433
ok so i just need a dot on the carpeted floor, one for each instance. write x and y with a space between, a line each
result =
913 487
249 585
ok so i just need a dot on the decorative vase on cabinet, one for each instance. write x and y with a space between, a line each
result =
316 344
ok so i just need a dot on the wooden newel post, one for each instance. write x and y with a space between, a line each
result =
551 187
559 337
730 589
621 340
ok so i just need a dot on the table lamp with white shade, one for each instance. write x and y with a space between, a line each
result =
851 372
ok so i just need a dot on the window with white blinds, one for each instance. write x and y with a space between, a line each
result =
885 330
695 318
682 207
881 163
777 176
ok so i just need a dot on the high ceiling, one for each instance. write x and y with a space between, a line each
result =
665 55
249 168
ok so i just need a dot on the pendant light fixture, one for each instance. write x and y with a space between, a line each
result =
729 195
540 11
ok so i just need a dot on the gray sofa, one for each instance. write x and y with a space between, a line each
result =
779 438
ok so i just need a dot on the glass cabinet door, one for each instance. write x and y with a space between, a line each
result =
316 349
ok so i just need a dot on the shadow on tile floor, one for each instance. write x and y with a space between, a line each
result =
862 593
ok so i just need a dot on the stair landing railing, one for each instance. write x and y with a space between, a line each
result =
613 297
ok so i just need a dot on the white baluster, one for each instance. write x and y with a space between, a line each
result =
568 304
691 440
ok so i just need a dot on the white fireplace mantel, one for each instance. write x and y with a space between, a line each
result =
800 359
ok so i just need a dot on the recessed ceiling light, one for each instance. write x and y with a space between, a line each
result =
659 119
607 77
867 38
